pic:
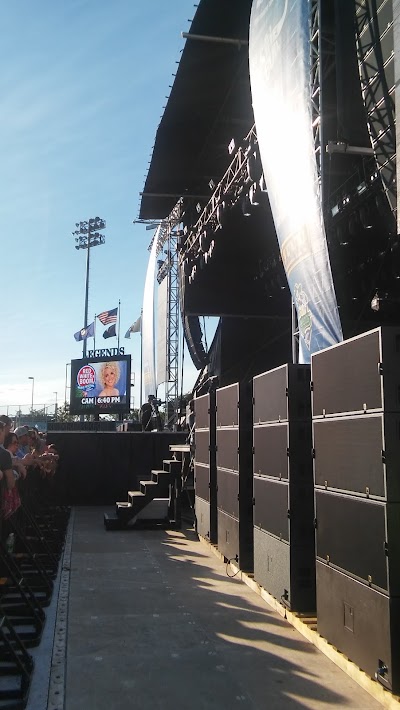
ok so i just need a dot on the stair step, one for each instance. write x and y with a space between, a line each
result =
148 483
172 466
123 504
161 476
135 494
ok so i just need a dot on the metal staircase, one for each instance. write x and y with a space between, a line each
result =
163 485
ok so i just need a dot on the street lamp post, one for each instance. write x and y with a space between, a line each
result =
87 235
55 406
67 365
33 386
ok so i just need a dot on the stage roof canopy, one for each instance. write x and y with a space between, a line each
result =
209 104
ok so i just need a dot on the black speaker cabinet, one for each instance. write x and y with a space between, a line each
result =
282 394
284 550
359 454
205 471
234 474
360 537
202 481
359 375
286 571
202 412
283 450
363 623
284 540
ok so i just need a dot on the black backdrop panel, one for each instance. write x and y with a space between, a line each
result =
100 468
202 443
271 504
228 449
202 481
348 454
270 450
228 492
201 412
346 377
282 393
227 406
351 534
359 621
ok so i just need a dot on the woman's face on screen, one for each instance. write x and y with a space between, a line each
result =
109 377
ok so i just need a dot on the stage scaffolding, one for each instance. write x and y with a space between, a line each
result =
168 269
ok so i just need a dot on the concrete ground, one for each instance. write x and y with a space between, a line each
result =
155 622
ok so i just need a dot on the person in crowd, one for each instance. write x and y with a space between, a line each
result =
10 500
7 423
5 461
109 375
36 444
11 445
23 451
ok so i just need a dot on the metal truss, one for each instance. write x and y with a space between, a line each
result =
168 224
315 79
171 386
169 269
228 189
378 96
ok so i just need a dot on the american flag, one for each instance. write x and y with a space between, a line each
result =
108 317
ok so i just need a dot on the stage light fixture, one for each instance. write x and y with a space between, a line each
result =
253 166
222 213
262 184
365 217
246 206
361 188
198 208
253 196
335 210
376 303
211 184
231 146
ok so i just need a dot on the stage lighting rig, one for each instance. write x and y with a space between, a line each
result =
245 164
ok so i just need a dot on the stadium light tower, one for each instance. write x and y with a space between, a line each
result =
87 235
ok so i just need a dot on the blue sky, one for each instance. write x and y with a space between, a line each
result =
82 87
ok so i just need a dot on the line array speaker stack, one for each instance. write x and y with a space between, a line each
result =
205 472
234 474
356 431
284 544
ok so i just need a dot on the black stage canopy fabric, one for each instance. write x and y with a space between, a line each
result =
209 104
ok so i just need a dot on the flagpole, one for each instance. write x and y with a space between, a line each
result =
119 320
94 335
